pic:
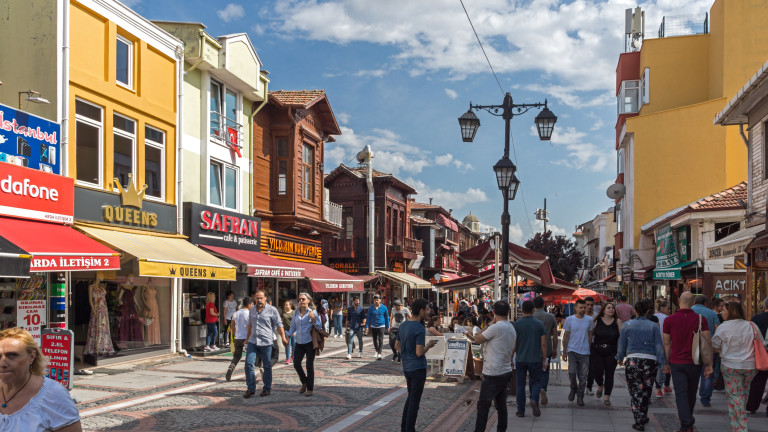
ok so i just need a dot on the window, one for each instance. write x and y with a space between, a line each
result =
282 166
154 161
88 143
620 161
628 97
124 61
645 94
224 114
308 172
222 190
124 144
349 222
725 229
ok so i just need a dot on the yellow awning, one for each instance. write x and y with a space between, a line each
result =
407 279
164 256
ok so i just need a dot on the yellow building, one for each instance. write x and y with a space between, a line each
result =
669 152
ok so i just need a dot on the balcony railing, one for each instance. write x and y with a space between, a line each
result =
406 245
226 129
332 213
684 25
444 262
339 247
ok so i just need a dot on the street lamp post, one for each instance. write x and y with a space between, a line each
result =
505 169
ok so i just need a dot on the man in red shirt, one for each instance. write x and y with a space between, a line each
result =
679 329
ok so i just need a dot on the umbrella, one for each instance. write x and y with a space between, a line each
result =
583 293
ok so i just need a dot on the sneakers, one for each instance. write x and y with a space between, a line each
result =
659 393
214 348
287 361
308 393
580 402
589 392
667 389
572 395
207 348
543 397
349 356
360 354
535 408
378 356
229 374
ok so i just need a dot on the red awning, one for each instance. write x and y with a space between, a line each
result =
262 265
447 222
326 279
58 247
443 277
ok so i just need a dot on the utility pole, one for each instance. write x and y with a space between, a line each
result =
541 214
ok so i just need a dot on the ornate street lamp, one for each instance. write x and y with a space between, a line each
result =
513 187
505 171
468 124
545 123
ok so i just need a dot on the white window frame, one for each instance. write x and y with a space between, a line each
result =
626 86
129 84
620 161
224 166
222 138
161 147
134 156
100 126
645 91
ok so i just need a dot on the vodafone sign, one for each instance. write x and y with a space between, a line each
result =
33 194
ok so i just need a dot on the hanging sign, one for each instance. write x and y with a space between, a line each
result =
213 226
33 194
29 141
666 250
59 347
31 316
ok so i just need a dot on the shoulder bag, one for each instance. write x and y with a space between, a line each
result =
701 351
761 355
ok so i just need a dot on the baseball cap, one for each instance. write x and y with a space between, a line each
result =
397 303
376 296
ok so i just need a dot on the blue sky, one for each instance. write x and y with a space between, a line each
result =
398 74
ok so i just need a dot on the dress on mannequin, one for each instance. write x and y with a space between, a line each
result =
98 341
153 328
131 335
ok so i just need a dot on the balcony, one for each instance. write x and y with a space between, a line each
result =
340 248
405 247
446 263
227 130
332 213
684 25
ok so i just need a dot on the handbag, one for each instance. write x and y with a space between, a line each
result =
700 349
761 355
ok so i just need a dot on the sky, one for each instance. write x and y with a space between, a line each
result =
399 73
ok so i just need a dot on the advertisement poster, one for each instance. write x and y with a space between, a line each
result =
666 250
31 316
29 141
185 305
455 357
58 347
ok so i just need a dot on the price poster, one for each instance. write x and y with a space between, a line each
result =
58 348
455 357
31 316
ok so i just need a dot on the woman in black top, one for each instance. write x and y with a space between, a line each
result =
605 343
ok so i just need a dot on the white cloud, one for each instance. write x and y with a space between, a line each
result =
342 117
231 12
516 235
448 159
604 185
574 44
556 230
447 199
582 154
451 93
376 73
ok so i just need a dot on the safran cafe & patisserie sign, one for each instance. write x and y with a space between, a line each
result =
213 226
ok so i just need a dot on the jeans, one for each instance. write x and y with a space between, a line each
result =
603 369
685 377
706 387
578 367
545 376
756 389
291 348
493 388
378 338
238 354
662 379
351 341
265 353
640 374
415 381
392 339
337 324
213 332
534 372
298 356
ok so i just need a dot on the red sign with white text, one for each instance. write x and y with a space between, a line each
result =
70 263
33 194
58 349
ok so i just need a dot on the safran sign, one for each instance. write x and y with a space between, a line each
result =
212 226
33 194
29 141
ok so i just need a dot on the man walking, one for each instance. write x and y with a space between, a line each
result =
531 355
399 315
355 324
576 340
623 310
550 330
239 327
757 387
377 322
263 322
678 336
499 339
411 348
590 303
707 383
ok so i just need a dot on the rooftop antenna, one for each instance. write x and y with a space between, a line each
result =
634 29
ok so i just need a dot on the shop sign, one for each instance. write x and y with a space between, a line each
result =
667 274
31 316
666 251
216 227
345 267
33 194
148 268
397 266
29 141
273 272
638 275
290 247
59 348
69 263
126 209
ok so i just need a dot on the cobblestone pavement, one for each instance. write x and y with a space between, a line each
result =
182 394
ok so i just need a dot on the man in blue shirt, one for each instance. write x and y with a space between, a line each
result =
410 345
355 324
531 355
378 323
263 322
707 383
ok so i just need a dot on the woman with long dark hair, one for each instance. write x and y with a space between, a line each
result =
603 350
301 326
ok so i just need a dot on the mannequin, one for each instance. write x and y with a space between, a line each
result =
98 341
151 316
131 335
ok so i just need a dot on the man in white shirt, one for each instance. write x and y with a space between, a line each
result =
576 341
240 330
499 338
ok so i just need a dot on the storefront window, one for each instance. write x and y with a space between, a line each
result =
20 299
759 291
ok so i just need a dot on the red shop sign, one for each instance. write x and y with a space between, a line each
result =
70 263
58 348
33 194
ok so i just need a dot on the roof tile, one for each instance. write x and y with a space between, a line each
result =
295 97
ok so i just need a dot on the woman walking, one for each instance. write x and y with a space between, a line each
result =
212 321
641 344
301 328
733 339
287 316
603 350
662 379
337 309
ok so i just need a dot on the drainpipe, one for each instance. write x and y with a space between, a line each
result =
64 156
251 208
749 171
179 197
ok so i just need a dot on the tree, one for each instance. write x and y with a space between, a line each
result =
564 258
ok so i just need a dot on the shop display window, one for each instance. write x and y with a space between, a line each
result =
15 290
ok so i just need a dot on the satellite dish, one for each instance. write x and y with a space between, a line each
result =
616 191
